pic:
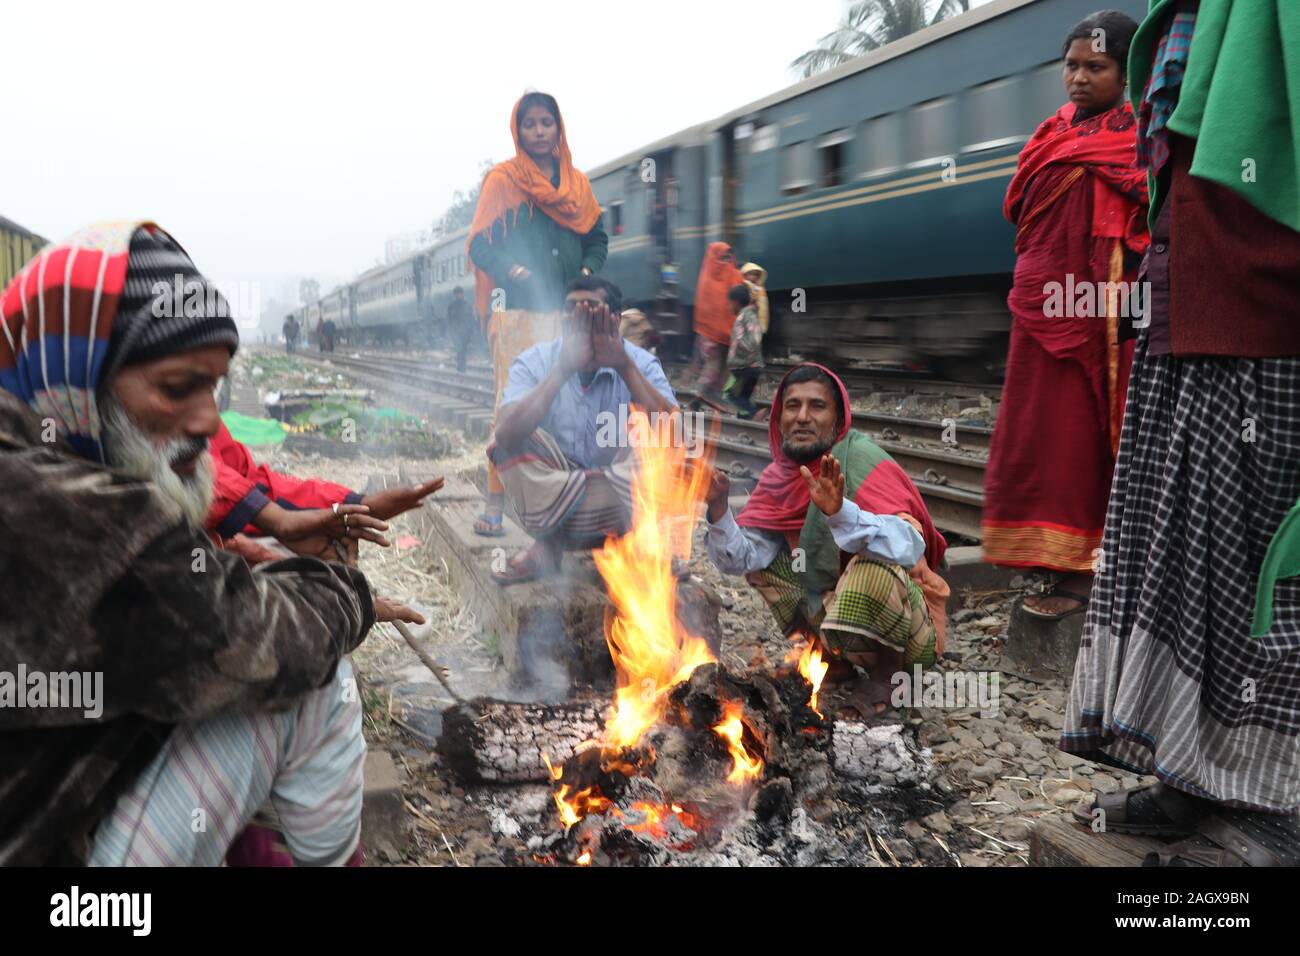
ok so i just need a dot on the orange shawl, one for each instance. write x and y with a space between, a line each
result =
713 318
509 185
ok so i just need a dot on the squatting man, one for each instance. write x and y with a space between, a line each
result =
567 482
836 539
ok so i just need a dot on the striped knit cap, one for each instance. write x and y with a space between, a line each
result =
84 307
167 306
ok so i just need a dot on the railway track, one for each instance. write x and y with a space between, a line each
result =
945 462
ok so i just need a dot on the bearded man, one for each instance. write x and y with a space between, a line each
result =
836 538
224 689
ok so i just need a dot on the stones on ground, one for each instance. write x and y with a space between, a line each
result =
1105 783
1066 796
961 812
987 772
902 850
1015 830
938 822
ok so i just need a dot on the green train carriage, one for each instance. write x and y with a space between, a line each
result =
875 188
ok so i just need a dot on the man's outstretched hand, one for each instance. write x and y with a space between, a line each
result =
392 502
312 524
716 496
387 609
827 489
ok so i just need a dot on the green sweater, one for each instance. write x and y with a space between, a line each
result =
1239 99
552 254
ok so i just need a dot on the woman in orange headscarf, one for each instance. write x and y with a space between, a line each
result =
713 318
536 228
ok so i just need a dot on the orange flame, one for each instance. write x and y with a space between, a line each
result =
732 730
585 858
811 667
652 652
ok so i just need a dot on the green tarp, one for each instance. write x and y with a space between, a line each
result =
253 431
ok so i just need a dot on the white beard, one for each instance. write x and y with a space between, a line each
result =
133 452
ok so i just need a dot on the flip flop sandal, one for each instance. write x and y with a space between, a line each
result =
1233 839
489 526
1058 592
1151 810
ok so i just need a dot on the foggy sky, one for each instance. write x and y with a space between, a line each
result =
279 139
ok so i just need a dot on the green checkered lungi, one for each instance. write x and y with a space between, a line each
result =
873 603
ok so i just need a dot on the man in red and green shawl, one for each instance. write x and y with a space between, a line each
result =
835 537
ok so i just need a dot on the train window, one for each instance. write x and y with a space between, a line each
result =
765 137
616 218
882 144
796 167
992 115
1044 93
931 131
833 158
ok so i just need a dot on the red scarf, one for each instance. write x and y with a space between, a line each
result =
1104 145
780 501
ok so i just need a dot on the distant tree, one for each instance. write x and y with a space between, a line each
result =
870 24
463 202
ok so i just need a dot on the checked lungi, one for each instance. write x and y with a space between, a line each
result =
555 499
874 604
1168 679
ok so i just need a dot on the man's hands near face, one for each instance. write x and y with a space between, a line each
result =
591 338
827 489
606 343
576 352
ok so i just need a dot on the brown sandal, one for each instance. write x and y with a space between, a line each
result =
1236 839
1151 810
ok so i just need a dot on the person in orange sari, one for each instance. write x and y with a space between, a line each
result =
536 228
713 318
1079 201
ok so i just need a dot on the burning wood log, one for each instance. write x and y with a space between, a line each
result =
492 741
882 755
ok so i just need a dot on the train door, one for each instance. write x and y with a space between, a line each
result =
661 201
730 179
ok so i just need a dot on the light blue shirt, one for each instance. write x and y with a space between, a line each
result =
737 550
576 416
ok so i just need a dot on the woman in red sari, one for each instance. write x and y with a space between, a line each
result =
1079 201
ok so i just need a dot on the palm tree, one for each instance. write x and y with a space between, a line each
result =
870 24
